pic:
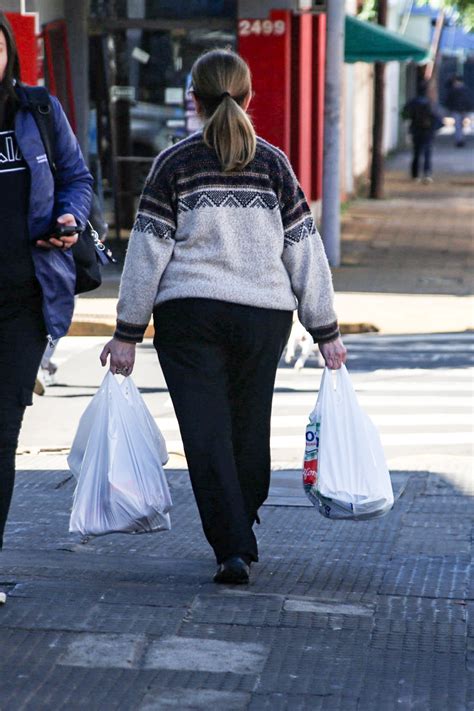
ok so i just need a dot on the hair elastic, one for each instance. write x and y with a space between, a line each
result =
223 95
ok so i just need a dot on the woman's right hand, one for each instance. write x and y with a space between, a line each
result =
62 243
334 353
122 356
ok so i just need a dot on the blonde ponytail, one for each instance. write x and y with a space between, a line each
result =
222 83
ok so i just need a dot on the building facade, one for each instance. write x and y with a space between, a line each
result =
121 69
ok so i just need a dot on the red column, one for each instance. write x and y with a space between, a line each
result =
24 29
302 101
59 73
266 47
286 54
319 60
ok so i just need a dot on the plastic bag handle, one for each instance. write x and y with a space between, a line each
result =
342 375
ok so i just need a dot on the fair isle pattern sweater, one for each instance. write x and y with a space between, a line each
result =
245 237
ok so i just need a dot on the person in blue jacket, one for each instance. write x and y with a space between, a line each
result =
37 274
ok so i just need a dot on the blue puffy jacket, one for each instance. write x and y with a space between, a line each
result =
70 191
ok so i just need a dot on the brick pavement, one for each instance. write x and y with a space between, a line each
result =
369 616
419 240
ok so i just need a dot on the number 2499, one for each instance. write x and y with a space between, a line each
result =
261 27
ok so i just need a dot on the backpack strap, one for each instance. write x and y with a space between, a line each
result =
39 103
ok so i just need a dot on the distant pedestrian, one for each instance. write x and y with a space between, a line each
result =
37 276
458 103
424 122
223 249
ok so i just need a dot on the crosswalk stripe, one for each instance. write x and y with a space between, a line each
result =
438 403
375 339
308 401
402 439
390 349
461 386
393 419
453 374
375 389
433 419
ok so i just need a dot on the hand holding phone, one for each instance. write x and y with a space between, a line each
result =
60 230
63 235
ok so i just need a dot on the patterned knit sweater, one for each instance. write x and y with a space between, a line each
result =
245 237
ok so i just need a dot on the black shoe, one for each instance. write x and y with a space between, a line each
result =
234 571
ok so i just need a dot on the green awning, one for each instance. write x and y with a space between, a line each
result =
368 42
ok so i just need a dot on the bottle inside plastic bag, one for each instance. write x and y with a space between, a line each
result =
117 458
344 473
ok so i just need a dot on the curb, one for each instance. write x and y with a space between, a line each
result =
104 328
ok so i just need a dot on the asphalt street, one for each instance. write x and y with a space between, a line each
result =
417 389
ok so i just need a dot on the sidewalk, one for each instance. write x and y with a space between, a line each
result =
369 616
407 260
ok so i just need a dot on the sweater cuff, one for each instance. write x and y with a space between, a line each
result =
129 332
324 334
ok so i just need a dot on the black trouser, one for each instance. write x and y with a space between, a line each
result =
422 147
22 344
219 361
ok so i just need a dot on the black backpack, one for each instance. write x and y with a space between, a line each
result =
422 116
89 252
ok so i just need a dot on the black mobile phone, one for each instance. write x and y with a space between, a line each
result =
60 230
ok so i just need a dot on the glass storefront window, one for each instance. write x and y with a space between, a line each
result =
163 9
140 76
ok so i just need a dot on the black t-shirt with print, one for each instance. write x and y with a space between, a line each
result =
17 276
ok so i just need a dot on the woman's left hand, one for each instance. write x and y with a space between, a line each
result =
334 353
122 356
62 243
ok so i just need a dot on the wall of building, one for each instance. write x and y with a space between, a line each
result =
357 117
261 9
392 81
356 129
419 29
348 135
392 109
11 6
358 109
48 10
362 107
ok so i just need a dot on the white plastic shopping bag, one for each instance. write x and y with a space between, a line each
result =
345 473
117 458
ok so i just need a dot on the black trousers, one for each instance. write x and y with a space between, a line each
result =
22 344
219 361
422 148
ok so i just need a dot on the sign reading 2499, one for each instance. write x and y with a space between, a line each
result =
266 28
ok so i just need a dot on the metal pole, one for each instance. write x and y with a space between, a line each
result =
331 222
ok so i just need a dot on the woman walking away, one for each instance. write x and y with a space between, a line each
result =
223 249
37 273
